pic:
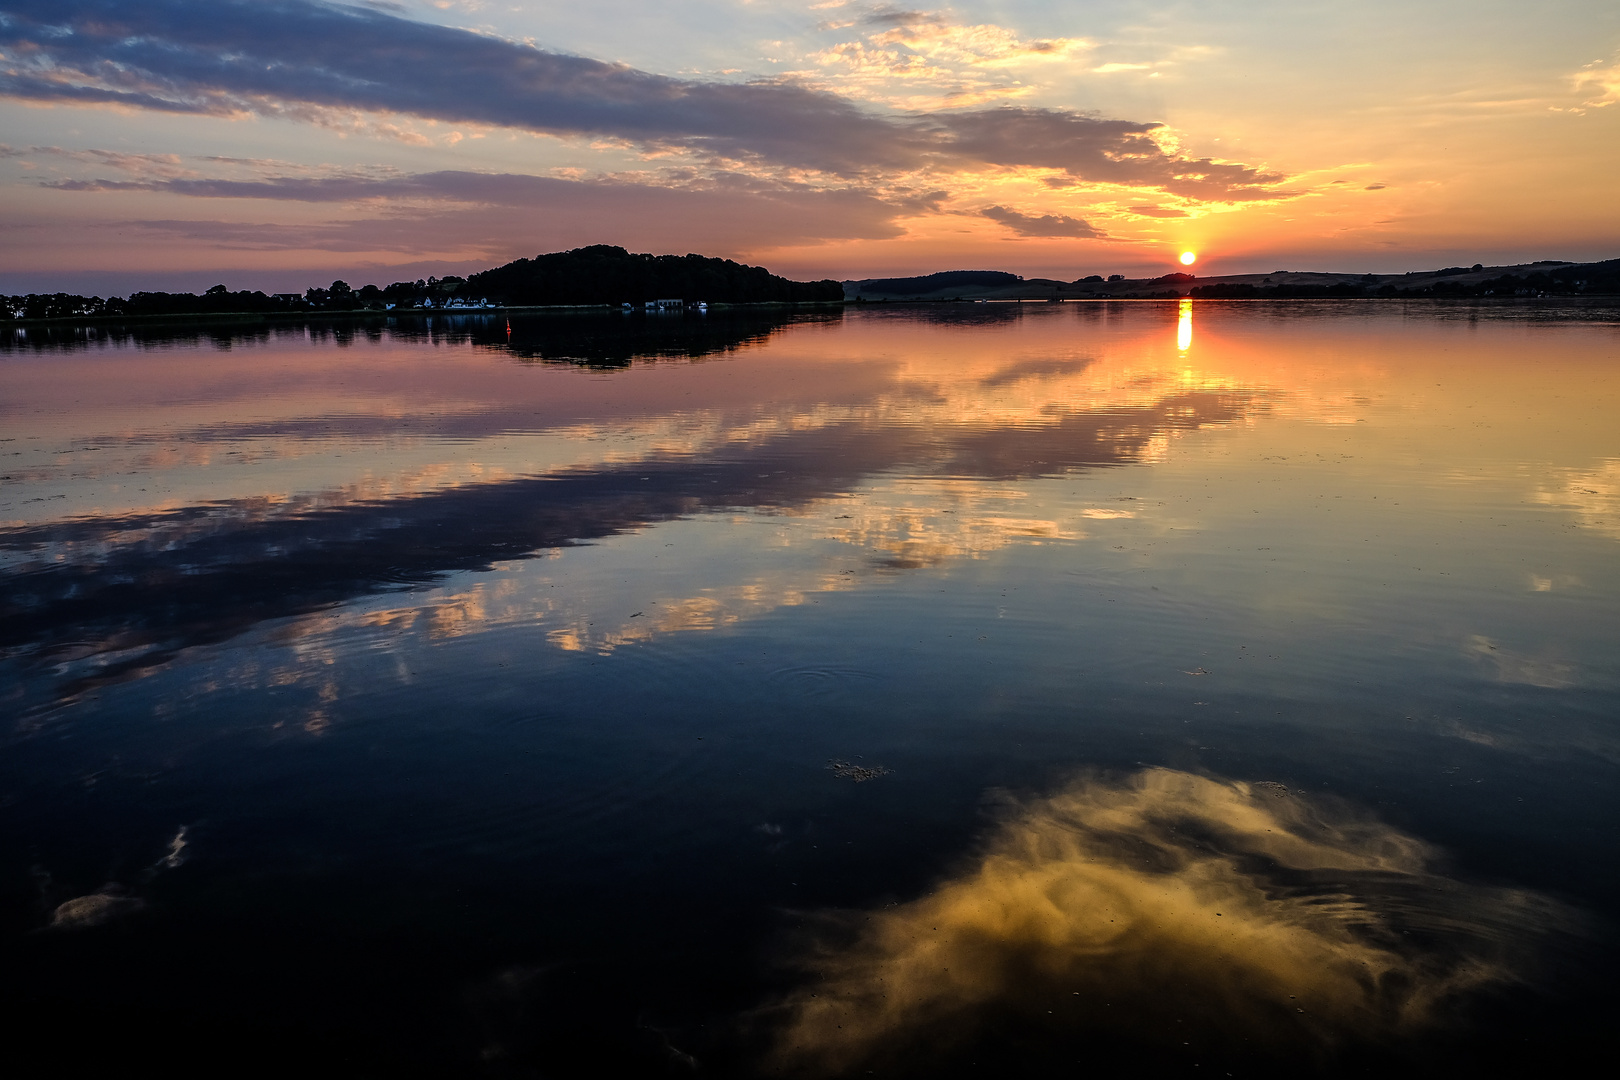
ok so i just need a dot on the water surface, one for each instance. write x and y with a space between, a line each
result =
920 690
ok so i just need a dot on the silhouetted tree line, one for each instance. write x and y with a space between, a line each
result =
1591 279
591 275
216 301
610 275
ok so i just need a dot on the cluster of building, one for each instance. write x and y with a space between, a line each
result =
667 305
454 303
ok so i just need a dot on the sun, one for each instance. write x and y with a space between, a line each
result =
1188 258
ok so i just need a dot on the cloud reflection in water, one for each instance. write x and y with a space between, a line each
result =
1236 916
123 595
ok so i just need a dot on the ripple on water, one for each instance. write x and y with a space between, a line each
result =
406 575
820 681
557 765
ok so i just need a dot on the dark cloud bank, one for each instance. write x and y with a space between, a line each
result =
293 58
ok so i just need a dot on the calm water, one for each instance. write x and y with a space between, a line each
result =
994 690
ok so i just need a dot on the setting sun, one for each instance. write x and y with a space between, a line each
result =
1188 258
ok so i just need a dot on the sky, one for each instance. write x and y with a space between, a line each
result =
278 144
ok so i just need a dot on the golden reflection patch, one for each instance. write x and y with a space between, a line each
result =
1200 917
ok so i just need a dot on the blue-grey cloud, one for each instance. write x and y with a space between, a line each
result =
495 189
268 56
288 57
893 16
1098 150
1044 225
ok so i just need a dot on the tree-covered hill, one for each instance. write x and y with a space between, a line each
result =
929 283
611 275
1454 282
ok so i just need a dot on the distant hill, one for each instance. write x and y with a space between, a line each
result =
611 275
1548 277
943 281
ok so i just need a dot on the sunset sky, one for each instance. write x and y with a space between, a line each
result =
278 144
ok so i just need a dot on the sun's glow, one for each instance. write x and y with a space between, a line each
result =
1188 258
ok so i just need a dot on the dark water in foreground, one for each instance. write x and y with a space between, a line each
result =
977 690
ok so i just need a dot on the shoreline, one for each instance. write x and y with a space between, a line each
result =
244 318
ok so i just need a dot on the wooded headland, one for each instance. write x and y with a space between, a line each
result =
590 276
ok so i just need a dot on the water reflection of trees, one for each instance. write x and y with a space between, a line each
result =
960 315
79 337
594 339
616 341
